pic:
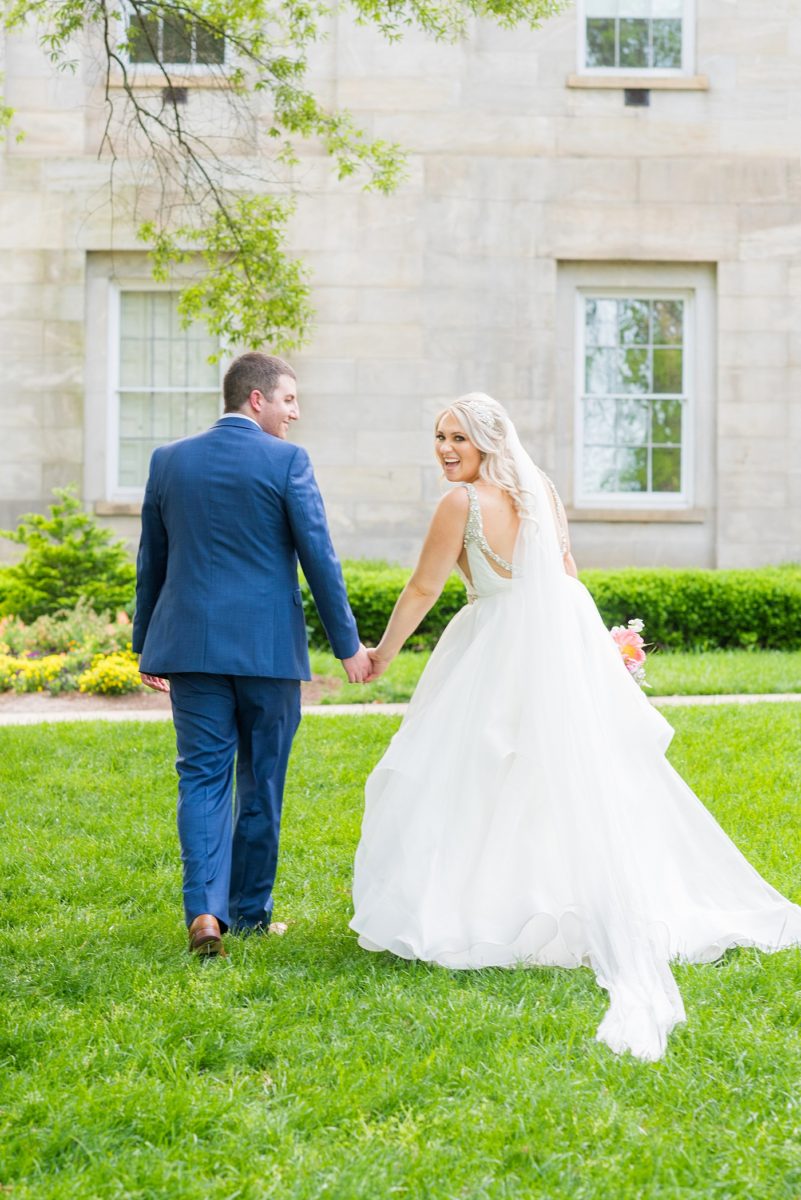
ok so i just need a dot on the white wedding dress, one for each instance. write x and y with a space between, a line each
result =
525 814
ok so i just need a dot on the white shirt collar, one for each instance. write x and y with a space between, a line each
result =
241 416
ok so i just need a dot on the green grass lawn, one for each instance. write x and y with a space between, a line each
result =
303 1068
729 672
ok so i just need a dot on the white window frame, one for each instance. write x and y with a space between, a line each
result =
638 500
180 68
687 49
114 491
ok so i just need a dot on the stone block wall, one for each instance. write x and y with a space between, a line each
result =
516 176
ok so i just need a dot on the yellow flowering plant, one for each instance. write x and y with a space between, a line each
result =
30 674
111 674
53 653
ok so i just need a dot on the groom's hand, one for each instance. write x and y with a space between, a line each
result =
155 682
358 666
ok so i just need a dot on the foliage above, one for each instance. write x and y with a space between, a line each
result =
68 558
228 212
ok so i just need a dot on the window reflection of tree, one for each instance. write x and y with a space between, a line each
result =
634 347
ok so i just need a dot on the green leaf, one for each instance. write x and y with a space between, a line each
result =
229 219
68 558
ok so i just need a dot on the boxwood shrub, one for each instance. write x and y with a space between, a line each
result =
682 609
702 610
373 588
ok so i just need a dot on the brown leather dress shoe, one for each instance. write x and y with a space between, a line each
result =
205 937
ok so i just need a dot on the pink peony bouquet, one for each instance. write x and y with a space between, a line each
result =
631 645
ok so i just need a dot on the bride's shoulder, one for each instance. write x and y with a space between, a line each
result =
453 505
455 502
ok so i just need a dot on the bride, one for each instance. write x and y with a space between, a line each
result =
524 813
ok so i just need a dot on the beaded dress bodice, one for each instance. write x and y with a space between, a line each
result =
484 579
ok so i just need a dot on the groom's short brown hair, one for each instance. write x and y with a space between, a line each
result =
250 372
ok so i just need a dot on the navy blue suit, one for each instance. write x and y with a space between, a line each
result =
226 516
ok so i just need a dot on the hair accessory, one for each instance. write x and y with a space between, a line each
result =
485 416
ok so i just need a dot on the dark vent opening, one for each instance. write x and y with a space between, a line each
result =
180 95
637 97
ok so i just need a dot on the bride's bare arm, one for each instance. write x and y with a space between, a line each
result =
441 549
560 517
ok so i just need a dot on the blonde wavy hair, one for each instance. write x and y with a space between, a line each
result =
487 425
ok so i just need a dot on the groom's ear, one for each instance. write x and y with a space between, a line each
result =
256 399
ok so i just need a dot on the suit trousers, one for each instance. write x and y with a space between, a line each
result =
230 851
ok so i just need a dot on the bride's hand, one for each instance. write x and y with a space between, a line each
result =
379 665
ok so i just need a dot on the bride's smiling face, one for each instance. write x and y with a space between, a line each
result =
459 458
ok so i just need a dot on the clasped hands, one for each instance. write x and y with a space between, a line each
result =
365 665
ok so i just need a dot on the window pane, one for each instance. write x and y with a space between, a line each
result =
601 8
180 352
130 472
150 419
155 350
201 411
632 422
134 415
177 43
600 42
600 322
599 422
169 318
633 42
200 372
162 424
601 372
143 39
666 468
161 306
633 444
632 316
667 371
209 48
599 469
666 421
200 345
135 364
133 314
668 322
156 354
175 411
134 462
160 375
633 371
666 37
632 470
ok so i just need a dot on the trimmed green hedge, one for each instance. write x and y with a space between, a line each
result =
682 609
373 588
702 610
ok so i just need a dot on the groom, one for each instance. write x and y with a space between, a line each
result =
226 516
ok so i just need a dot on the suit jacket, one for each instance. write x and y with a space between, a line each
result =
226 515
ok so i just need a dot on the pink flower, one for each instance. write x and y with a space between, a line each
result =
630 645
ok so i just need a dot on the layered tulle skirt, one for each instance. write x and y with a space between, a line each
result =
525 814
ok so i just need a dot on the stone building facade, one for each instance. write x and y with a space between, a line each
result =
601 226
